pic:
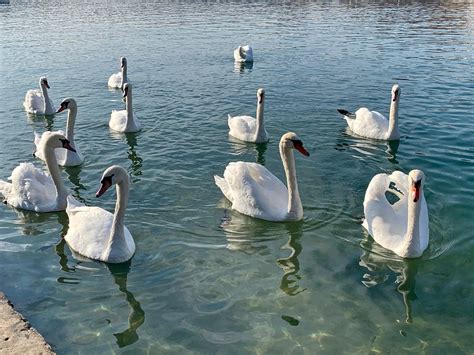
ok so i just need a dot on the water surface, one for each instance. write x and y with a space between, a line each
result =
206 279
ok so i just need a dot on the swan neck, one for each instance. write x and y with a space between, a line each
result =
393 131
48 109
260 129
124 75
412 238
118 230
53 169
71 120
295 208
128 107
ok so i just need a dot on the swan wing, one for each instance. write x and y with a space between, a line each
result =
242 127
34 102
118 120
386 223
370 124
32 189
115 80
255 191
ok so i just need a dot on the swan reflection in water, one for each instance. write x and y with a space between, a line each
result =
368 147
250 236
74 175
120 274
241 148
240 67
40 122
377 260
291 265
135 169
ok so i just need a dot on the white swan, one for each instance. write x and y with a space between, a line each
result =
119 79
371 124
125 120
38 102
243 54
65 157
247 128
32 189
256 192
96 233
403 226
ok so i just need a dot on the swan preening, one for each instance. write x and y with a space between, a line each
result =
125 120
118 80
372 124
32 189
247 128
38 102
256 192
243 54
96 233
403 226
65 157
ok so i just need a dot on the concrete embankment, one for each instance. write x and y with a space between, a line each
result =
17 334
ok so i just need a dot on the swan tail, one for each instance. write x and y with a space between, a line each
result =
346 113
222 184
5 190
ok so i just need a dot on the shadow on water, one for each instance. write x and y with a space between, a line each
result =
137 316
120 274
74 173
135 168
348 141
41 121
377 260
240 67
291 265
257 149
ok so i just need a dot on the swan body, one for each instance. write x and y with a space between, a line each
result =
32 189
118 80
38 102
243 54
254 191
64 157
96 233
125 120
403 226
247 128
372 124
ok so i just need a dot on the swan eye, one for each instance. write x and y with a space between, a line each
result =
107 179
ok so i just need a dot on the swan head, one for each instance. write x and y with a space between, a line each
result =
57 140
114 174
396 91
416 179
291 141
44 82
67 104
260 95
123 62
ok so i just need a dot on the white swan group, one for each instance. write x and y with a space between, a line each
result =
125 120
243 54
247 128
256 192
118 80
31 189
65 157
251 188
403 226
96 233
37 102
371 124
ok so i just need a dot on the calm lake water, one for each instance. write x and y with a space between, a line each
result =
205 279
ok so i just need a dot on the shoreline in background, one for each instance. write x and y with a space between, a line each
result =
18 336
